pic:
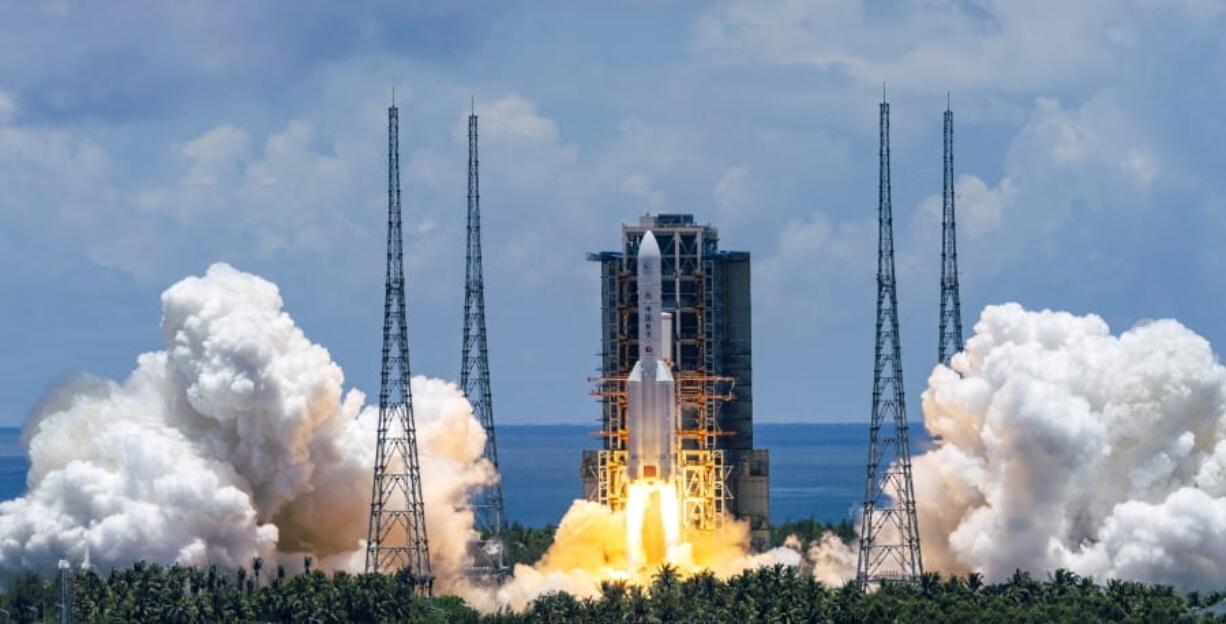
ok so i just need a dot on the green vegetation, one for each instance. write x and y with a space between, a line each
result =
153 593
780 594
175 594
527 544
809 529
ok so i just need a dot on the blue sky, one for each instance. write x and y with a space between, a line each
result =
141 141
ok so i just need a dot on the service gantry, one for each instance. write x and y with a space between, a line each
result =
707 291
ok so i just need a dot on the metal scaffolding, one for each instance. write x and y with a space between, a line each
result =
702 466
488 554
396 539
949 341
706 290
689 294
889 533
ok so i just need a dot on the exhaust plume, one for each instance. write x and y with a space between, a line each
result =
1060 445
238 440
235 441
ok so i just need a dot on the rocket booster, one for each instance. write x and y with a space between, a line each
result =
652 406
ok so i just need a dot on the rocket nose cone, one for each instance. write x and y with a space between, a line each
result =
649 247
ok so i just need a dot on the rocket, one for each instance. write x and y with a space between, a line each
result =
652 404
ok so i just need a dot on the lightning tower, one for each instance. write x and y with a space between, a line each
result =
488 556
889 534
950 341
66 593
396 540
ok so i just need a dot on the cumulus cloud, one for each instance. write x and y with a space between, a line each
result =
933 46
980 207
282 197
1060 445
817 253
1079 164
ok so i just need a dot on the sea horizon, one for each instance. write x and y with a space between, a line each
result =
817 470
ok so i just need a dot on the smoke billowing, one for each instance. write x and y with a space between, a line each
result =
1058 445
1062 445
236 441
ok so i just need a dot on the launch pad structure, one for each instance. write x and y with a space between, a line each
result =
706 290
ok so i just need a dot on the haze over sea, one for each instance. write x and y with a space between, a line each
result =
817 470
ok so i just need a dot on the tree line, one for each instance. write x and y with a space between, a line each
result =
182 595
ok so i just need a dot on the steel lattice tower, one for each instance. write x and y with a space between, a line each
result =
488 558
889 534
66 593
396 540
950 341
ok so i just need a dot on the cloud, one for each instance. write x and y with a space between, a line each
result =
978 207
8 108
817 255
126 65
733 194
639 186
782 92
514 119
1099 137
1088 164
286 198
995 45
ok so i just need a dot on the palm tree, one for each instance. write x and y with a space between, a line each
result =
974 582
256 565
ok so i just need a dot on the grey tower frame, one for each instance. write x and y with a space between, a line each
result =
488 554
949 339
889 533
396 538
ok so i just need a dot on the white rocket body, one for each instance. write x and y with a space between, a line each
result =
652 400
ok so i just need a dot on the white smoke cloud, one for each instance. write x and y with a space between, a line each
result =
1061 445
1058 445
236 441
832 560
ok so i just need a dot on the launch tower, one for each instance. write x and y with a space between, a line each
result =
706 290
889 534
488 556
396 539
950 339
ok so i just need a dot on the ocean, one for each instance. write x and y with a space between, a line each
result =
817 470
